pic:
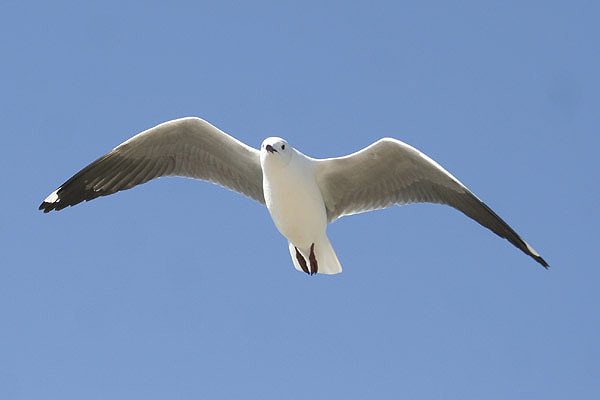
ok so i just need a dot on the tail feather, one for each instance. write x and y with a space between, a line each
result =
326 258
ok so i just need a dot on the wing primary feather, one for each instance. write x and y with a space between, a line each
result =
126 180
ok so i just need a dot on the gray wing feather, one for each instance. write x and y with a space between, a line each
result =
188 147
391 172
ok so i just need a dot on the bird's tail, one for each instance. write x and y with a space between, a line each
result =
326 259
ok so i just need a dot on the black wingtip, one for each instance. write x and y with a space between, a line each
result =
46 207
542 261
534 254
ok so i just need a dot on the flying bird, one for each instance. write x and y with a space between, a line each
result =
302 194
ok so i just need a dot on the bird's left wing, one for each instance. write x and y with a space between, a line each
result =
189 147
391 172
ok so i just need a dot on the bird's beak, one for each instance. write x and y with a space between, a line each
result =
270 149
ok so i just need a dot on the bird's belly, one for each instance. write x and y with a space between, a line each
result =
298 212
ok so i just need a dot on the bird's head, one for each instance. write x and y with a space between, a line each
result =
276 150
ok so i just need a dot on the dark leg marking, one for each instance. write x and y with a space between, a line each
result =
314 267
301 261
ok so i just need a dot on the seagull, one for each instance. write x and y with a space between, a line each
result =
302 194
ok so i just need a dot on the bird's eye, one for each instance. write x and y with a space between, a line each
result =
283 147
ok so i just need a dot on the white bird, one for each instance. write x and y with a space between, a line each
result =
302 194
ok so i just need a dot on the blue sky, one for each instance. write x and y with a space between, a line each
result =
182 289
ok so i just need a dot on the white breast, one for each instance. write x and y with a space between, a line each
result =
294 200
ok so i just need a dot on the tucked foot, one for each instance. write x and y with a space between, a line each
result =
314 266
302 261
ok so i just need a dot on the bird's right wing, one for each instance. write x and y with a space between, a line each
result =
391 172
189 147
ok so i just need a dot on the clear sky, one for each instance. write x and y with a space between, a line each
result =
182 289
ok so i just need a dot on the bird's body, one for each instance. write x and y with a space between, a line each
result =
293 197
302 194
296 205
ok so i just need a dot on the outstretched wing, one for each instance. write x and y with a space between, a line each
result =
391 172
189 147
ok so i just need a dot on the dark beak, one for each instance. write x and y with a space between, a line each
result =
270 149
